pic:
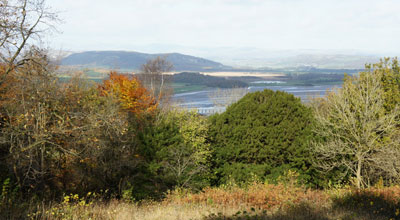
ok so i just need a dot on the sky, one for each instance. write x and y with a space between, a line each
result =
366 25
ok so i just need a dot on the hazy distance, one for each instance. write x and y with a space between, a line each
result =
234 32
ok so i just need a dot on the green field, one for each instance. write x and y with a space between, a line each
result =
183 87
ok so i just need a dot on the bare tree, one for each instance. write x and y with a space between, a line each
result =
357 132
153 77
22 21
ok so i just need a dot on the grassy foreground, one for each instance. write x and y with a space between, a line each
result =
257 201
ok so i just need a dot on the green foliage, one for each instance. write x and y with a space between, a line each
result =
263 134
193 78
12 203
177 150
359 126
389 71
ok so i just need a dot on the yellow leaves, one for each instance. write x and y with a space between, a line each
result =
67 199
124 131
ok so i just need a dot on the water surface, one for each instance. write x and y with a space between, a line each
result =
201 99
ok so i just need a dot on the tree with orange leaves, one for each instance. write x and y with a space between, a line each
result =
129 92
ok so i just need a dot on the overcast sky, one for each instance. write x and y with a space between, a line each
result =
368 25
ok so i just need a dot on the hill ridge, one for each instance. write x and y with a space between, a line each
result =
134 60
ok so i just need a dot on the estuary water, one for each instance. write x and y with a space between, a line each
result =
202 100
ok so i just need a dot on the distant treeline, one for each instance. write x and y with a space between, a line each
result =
191 78
194 78
317 77
318 70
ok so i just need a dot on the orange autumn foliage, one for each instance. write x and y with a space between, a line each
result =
129 92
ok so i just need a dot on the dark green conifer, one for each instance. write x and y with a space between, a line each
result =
263 134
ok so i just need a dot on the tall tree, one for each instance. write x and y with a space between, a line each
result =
154 78
22 21
178 149
357 124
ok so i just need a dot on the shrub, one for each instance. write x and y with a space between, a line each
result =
263 134
176 150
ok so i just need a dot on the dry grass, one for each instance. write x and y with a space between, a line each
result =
261 196
257 201
126 211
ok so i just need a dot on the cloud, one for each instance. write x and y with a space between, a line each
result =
285 24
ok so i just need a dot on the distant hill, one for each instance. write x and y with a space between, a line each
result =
258 57
134 60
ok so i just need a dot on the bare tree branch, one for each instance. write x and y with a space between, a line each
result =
22 21
358 134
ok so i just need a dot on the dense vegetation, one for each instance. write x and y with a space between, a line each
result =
76 149
316 78
263 134
359 125
258 201
192 78
116 139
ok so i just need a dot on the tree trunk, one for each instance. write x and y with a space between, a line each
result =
358 174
